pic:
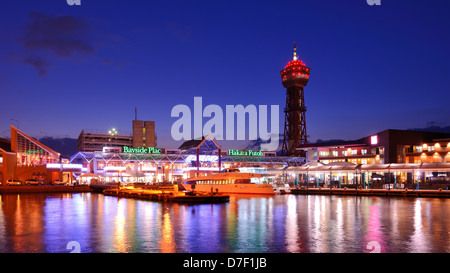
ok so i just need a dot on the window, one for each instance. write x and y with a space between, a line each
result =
344 153
335 153
430 148
364 151
324 153
354 152
374 140
419 149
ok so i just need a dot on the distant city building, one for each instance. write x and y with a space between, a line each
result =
143 136
388 146
96 141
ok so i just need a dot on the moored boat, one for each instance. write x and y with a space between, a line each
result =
234 181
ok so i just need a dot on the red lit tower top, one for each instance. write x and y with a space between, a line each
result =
295 72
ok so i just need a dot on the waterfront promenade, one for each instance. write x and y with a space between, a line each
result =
439 193
374 192
43 189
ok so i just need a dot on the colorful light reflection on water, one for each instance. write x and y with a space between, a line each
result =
256 224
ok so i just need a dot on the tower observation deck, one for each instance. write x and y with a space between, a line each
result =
294 77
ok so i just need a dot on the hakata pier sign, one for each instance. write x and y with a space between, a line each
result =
141 150
245 153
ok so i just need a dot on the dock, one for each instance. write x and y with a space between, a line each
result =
167 195
99 188
374 192
43 189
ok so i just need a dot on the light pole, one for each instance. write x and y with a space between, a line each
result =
18 125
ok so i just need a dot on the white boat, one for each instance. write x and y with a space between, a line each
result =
281 188
234 181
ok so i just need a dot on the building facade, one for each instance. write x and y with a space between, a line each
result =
96 141
144 134
7 161
23 157
435 151
388 146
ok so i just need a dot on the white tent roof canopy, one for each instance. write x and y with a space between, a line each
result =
351 167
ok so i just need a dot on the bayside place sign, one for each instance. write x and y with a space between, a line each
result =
141 150
245 153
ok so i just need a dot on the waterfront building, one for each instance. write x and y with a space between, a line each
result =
432 151
388 146
23 157
193 158
388 176
387 159
7 160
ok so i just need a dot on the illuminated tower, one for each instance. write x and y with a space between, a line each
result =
294 76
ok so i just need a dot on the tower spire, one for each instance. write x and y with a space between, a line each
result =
295 52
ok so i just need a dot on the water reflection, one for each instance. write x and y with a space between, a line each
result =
47 222
167 243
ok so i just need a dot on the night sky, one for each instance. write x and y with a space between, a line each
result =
66 68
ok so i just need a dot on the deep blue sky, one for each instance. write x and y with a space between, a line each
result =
372 67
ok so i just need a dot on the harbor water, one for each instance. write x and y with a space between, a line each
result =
91 222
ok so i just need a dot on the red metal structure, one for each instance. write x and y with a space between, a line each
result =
294 77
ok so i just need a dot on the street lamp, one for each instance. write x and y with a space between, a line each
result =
113 132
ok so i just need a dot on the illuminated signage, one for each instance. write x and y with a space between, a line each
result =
141 150
374 140
34 152
245 153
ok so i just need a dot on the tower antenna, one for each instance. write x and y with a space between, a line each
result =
295 52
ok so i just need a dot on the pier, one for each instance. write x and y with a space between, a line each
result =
153 192
374 192
167 194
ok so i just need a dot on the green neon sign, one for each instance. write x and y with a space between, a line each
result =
141 150
245 153
34 152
